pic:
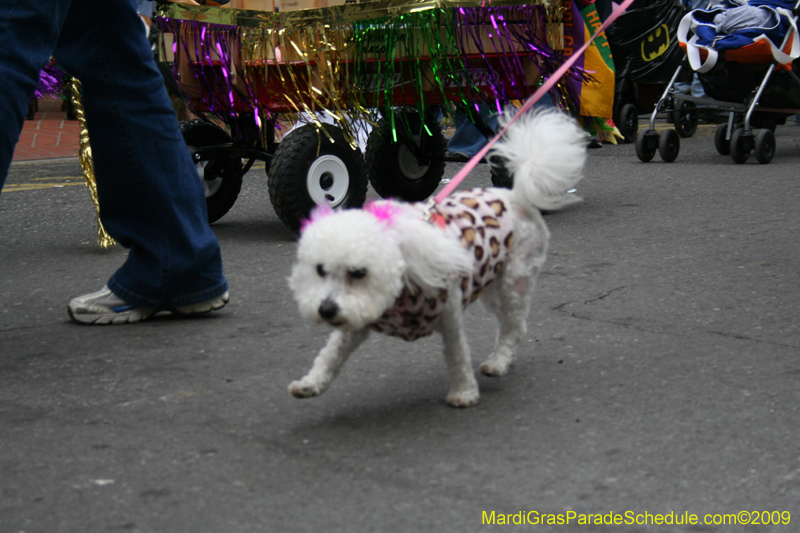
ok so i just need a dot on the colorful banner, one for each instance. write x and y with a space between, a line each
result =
581 21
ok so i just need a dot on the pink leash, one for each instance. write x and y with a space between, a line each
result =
546 86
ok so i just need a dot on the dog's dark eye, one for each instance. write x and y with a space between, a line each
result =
359 273
321 271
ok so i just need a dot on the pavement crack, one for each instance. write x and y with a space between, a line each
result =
612 322
665 330
560 306
18 328
751 339
607 293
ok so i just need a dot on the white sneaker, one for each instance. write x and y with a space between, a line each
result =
105 307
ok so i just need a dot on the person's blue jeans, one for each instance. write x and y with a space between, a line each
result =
151 199
468 139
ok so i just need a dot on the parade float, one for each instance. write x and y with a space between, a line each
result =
297 83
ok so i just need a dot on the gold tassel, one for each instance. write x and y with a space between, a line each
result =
85 158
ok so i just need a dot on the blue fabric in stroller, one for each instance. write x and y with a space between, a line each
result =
735 42
731 25
744 54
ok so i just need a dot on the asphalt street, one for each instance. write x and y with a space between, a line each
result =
660 375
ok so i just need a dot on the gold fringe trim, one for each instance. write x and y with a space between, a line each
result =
85 158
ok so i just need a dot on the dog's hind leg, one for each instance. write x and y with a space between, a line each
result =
463 385
328 363
509 297
509 300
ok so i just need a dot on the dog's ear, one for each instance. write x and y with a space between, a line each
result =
432 257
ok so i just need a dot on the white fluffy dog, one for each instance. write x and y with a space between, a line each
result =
408 270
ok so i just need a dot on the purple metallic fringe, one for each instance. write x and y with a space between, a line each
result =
218 48
51 81
509 25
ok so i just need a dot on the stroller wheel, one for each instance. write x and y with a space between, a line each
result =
765 146
722 144
669 144
646 145
628 122
685 119
741 144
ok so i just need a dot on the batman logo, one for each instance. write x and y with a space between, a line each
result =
655 44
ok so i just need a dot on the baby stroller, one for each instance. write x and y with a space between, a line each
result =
743 53
646 53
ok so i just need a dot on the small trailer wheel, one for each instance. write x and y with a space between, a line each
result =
765 146
222 179
309 168
393 167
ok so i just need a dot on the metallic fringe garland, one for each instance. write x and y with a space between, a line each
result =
357 66
51 81
355 63
85 158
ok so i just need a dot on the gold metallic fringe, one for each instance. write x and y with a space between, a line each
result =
556 10
332 15
307 60
85 158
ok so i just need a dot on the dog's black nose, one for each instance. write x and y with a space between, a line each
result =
328 309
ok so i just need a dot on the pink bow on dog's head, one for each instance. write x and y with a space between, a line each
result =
318 213
385 211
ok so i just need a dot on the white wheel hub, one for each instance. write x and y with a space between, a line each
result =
211 187
328 180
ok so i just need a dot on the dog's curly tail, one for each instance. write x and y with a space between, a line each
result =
545 152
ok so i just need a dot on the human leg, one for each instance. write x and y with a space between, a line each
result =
28 34
468 138
150 197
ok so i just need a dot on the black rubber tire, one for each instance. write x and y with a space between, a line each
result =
390 166
501 177
669 145
722 144
738 153
628 124
765 146
685 119
220 179
643 151
307 165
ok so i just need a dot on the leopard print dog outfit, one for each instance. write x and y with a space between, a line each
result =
478 218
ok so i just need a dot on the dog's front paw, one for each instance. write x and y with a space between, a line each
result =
497 365
304 388
463 398
494 369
